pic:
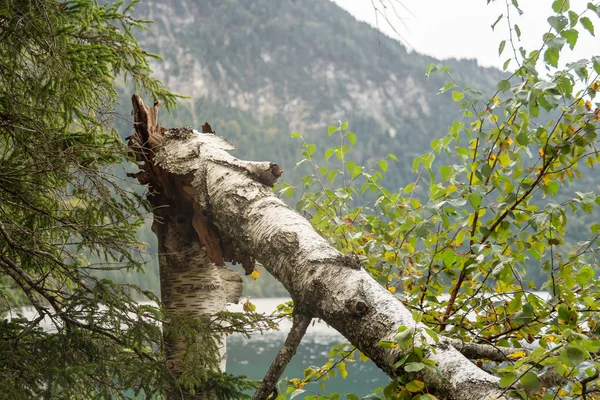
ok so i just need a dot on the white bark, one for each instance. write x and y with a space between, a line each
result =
322 282
191 285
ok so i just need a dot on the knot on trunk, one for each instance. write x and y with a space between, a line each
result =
357 308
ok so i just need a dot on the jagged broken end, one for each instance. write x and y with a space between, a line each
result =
171 190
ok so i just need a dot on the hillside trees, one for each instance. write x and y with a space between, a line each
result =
63 211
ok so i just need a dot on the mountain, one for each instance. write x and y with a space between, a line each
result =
259 70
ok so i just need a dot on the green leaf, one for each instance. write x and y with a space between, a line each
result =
571 35
386 344
501 47
573 18
496 21
296 135
383 164
572 356
530 381
342 368
507 380
587 24
560 6
331 175
414 367
551 56
558 22
344 126
328 153
445 172
430 68
393 157
331 130
503 85
351 138
447 87
297 392
457 96
474 200
289 191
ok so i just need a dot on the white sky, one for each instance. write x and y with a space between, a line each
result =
461 28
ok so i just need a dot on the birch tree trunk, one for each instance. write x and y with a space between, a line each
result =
237 199
191 283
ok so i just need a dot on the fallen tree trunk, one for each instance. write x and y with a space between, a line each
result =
236 202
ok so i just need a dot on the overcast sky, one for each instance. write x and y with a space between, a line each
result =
461 28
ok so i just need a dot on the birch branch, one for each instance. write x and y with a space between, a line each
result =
268 386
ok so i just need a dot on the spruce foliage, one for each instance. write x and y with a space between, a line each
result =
65 333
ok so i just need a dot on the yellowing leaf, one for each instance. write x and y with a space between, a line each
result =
547 179
541 151
517 354
342 368
392 289
389 256
249 307
476 125
504 160
415 386
255 274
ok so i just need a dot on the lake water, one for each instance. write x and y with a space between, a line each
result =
252 357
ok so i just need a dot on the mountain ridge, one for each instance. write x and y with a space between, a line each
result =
308 63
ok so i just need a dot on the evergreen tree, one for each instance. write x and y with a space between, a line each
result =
63 214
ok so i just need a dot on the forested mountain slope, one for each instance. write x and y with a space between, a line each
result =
259 70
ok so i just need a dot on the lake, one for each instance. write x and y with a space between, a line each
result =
252 357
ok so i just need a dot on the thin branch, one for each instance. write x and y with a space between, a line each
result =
268 387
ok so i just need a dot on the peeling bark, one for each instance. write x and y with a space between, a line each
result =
193 278
325 284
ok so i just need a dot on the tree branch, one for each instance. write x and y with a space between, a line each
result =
268 387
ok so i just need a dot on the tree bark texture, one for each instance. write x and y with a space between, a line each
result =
191 283
324 283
